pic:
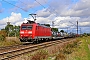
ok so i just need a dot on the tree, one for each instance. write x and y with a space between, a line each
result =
17 30
55 29
47 25
9 28
12 30
62 31
3 34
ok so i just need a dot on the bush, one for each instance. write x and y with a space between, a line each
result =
42 54
2 37
61 56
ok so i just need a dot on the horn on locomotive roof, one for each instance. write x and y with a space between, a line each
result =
34 16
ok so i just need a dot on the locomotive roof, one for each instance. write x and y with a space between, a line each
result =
43 25
32 22
29 22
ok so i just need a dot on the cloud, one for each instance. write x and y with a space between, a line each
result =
43 13
67 11
84 24
15 19
43 20
2 26
80 9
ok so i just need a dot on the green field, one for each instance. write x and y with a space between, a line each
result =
82 51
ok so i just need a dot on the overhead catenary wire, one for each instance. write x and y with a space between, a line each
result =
30 7
57 15
72 23
14 5
39 3
53 13
50 7
75 25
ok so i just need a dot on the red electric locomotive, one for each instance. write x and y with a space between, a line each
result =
33 32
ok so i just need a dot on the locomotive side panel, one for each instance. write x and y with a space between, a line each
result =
42 32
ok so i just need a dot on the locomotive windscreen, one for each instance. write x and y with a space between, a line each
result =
26 27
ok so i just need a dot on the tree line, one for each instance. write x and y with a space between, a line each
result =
10 31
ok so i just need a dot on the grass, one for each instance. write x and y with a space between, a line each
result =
73 50
86 41
82 52
9 43
56 52
40 55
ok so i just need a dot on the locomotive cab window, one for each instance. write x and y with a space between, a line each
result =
29 27
24 27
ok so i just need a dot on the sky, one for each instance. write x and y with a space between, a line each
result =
64 13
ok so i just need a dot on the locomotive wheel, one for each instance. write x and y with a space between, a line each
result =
35 41
40 40
47 40
21 40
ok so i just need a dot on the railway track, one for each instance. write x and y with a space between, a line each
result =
6 54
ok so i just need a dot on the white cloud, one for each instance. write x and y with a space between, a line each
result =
2 26
43 20
15 19
43 13
79 9
84 24
18 23
3 21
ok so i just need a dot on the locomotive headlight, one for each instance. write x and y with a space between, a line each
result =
30 32
22 32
